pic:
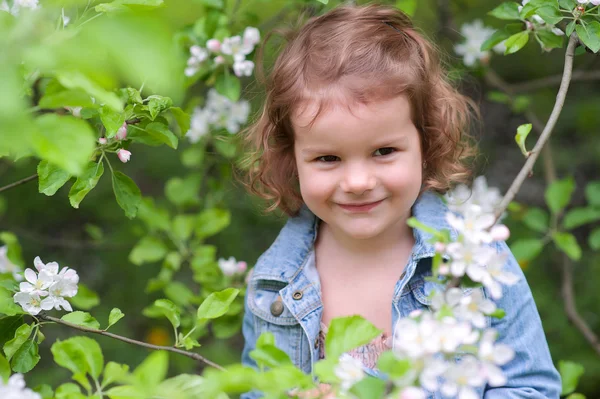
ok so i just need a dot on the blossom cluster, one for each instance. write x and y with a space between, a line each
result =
536 22
232 50
47 288
123 154
475 34
231 266
15 389
6 266
18 5
220 113
586 2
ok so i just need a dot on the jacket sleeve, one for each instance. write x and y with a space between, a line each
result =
531 373
249 332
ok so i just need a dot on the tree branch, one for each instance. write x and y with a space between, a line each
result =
558 105
579 76
18 183
571 307
192 355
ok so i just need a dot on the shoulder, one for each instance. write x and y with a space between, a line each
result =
290 248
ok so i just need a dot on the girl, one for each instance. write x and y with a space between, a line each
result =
360 127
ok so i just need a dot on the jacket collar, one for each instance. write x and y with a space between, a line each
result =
288 254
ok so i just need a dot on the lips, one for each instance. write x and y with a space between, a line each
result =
360 207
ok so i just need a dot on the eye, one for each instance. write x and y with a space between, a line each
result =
384 151
327 158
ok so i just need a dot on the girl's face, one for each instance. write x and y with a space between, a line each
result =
359 172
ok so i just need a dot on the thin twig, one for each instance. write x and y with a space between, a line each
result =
578 76
571 308
192 355
558 105
18 183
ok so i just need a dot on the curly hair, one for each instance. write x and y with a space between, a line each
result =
368 53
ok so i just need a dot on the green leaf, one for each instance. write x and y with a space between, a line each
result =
594 239
64 141
183 192
179 293
226 146
79 355
501 35
51 178
507 10
131 95
579 216
592 193
45 391
550 13
85 298
576 396
112 120
270 356
148 249
498 97
526 249
162 133
390 364
536 219
212 221
369 388
77 80
68 391
570 28
153 369
66 98
183 225
114 372
567 243
498 314
164 307
182 118
26 357
520 104
407 6
217 304
4 369
156 218
85 183
521 136
21 335
549 39
415 224
82 319
8 306
229 86
127 193
568 5
516 42
570 373
347 333
115 316
558 194
590 35
158 104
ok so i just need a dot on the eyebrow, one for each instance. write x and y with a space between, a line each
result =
400 140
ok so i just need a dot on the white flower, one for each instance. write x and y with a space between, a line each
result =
349 370
493 355
251 36
475 34
197 56
473 224
585 2
461 378
417 338
122 132
496 275
450 298
243 68
198 125
124 155
470 259
213 45
474 307
230 266
4 6
36 285
19 4
219 112
412 393
488 198
56 302
237 48
219 60
432 369
6 266
30 302
15 389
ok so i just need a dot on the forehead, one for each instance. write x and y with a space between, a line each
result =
340 112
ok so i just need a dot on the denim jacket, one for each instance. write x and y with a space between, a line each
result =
284 298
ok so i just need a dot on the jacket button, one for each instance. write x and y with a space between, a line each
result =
276 308
297 295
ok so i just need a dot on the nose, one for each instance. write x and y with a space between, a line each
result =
358 178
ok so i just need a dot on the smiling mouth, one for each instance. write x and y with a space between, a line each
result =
362 207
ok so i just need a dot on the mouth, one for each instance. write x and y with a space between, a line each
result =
360 207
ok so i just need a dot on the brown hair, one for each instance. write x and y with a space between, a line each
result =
370 53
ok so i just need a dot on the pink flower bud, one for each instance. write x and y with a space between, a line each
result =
122 132
500 233
439 247
124 155
444 270
213 45
219 60
242 266
102 140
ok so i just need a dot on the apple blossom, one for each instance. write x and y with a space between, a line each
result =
36 285
475 35
474 308
585 2
30 302
197 56
124 155
235 47
122 132
349 370
412 393
496 275
493 355
6 266
243 68
470 259
102 141
213 45
231 266
251 36
15 389
461 197
460 379
219 60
